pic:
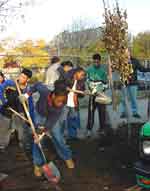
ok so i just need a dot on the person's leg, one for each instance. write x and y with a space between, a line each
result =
19 127
73 122
38 160
27 139
102 116
123 103
59 141
132 90
91 113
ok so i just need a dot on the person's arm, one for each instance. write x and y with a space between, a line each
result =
37 87
140 67
105 77
8 83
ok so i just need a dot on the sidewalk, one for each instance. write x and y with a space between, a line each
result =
113 117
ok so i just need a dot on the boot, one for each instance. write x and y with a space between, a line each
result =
70 163
37 171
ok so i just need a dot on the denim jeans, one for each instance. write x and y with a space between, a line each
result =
131 92
73 122
58 139
57 133
27 138
37 155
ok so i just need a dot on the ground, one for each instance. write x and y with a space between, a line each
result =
102 163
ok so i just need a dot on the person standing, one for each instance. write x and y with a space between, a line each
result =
131 88
96 77
52 73
76 81
10 99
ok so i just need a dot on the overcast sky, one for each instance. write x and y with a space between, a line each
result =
53 16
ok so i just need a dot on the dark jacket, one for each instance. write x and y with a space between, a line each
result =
136 67
9 95
70 81
44 104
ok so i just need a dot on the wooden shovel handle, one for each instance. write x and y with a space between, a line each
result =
30 121
18 114
26 110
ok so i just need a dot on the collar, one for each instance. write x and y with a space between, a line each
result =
49 99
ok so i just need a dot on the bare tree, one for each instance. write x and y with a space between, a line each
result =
12 9
78 35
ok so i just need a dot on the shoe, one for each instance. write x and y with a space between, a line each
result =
70 163
89 133
136 115
123 115
37 171
3 176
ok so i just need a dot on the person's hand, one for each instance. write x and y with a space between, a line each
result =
36 139
87 92
22 98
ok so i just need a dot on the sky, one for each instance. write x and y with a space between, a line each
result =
47 19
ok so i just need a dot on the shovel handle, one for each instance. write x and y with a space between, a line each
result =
30 121
18 114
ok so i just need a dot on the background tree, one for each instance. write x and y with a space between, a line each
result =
141 45
27 54
13 9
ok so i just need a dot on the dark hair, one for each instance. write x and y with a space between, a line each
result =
27 72
67 63
55 59
97 57
78 69
60 88
1 74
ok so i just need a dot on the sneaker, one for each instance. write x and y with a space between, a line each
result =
123 115
70 163
136 115
89 133
3 176
37 171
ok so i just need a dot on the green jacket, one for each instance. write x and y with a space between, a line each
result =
96 74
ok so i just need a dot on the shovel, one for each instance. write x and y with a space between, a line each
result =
50 171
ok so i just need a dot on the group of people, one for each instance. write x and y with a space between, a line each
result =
57 107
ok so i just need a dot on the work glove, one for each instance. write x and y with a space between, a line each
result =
22 98
96 87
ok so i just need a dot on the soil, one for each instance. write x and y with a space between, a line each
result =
103 163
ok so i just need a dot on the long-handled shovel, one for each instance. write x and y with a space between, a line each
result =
51 172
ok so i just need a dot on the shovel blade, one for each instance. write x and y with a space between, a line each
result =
3 176
51 172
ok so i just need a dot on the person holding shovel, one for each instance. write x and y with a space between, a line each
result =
51 106
10 95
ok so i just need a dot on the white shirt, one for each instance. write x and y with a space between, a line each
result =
70 100
52 74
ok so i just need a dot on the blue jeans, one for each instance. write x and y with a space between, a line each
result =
58 139
37 155
131 92
27 138
57 133
73 122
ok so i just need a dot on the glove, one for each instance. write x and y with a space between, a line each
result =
22 98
